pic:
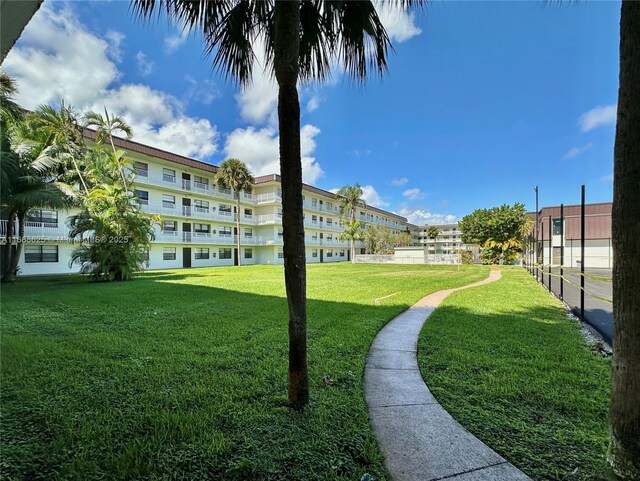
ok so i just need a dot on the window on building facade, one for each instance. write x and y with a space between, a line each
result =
224 208
279 214
329 237
225 253
200 182
314 219
329 221
201 253
142 195
40 253
202 229
224 190
169 253
142 169
248 253
280 255
248 232
168 201
329 253
201 205
342 253
248 213
280 233
314 253
314 202
170 226
48 218
169 175
557 226
225 231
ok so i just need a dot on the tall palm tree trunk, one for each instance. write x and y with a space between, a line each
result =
624 444
7 275
238 227
286 51
15 254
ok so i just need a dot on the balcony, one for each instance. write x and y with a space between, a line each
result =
269 219
38 230
267 198
193 212
184 185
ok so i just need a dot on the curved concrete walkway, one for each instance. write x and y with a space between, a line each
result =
420 440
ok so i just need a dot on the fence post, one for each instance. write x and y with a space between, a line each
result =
562 251
550 250
582 236
542 250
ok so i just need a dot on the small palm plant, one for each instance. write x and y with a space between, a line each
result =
350 197
234 174
433 232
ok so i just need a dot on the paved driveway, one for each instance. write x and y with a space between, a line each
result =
597 313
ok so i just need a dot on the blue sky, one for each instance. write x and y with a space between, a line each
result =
483 100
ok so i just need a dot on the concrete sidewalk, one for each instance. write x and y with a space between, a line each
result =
420 440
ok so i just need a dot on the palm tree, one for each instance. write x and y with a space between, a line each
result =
106 127
302 39
234 174
24 185
350 197
432 233
624 446
59 133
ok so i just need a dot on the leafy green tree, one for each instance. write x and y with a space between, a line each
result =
234 174
302 41
500 231
115 233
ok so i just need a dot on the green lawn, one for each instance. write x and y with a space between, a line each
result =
181 375
509 365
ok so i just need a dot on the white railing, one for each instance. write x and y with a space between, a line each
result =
43 230
269 219
268 197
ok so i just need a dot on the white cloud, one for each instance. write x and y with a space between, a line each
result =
575 151
259 149
182 135
115 40
58 58
204 92
601 115
399 24
174 41
371 197
413 194
607 178
399 182
145 66
313 103
421 216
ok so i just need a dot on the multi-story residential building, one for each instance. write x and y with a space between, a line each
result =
198 219
448 240
555 233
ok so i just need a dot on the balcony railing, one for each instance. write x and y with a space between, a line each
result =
38 230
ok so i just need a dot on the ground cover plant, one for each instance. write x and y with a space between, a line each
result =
506 361
182 374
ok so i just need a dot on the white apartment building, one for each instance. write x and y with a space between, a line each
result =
198 219
448 240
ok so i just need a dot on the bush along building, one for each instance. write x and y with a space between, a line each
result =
197 226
